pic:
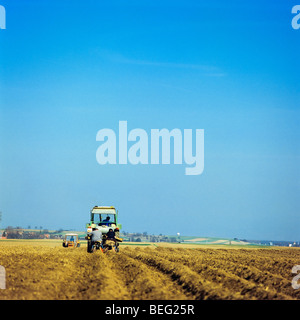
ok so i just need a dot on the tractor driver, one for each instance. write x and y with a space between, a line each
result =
106 221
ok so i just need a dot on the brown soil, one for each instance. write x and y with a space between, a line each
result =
56 273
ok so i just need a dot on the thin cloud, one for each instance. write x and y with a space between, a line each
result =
207 70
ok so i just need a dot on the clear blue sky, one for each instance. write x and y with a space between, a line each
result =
71 68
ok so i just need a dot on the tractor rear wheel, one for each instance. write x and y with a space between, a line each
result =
89 246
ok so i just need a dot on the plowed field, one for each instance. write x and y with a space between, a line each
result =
45 272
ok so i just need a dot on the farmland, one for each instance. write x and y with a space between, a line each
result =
46 270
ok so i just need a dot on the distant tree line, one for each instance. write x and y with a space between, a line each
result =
20 233
144 237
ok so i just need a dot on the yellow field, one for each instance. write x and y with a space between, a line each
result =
43 269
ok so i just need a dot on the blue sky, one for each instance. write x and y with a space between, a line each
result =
71 68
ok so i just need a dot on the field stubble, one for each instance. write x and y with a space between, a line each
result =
56 273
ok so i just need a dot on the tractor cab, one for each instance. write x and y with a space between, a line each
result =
103 218
71 240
